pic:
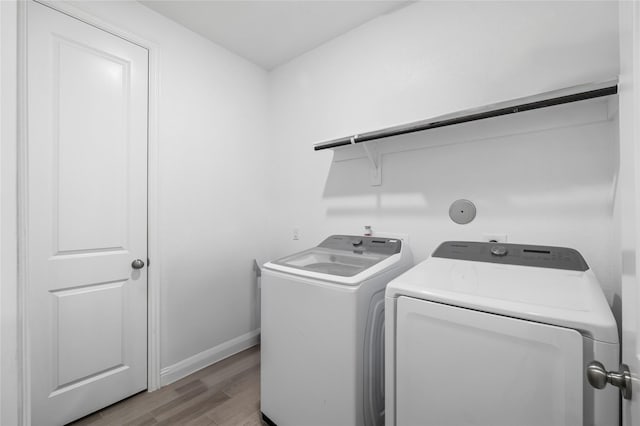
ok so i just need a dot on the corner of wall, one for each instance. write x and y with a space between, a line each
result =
210 356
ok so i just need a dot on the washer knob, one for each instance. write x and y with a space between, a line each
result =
356 243
499 250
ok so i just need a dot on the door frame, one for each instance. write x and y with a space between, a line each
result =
153 276
9 389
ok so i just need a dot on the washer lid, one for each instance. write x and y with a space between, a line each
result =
566 298
333 262
346 259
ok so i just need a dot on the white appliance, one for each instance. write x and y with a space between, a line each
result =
323 332
498 334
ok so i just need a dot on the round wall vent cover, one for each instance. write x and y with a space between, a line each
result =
462 211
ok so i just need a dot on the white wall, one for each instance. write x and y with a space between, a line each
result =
549 179
432 58
211 134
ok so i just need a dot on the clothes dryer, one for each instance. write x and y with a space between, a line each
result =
498 334
323 331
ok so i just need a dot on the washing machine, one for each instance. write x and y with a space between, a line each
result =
498 334
322 332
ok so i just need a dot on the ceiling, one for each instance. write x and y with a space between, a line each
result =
271 33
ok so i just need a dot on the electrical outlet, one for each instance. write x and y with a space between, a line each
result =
296 232
494 237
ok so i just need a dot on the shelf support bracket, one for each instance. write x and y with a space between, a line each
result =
375 162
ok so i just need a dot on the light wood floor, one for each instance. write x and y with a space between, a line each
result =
226 393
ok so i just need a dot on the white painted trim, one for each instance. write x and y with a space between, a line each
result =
24 366
9 383
210 356
154 279
153 212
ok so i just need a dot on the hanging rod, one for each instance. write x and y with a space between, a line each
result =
512 107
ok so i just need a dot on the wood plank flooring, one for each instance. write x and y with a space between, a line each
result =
226 393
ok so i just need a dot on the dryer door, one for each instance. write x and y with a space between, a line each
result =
458 366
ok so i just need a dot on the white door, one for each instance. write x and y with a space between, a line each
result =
87 216
629 194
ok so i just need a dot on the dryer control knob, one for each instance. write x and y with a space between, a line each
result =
499 250
356 242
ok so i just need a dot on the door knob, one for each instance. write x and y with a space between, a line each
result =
599 377
137 264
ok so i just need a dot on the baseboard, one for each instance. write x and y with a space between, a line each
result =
199 361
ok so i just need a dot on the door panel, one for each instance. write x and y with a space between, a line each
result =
95 136
87 210
89 331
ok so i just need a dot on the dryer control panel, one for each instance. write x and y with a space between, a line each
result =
513 254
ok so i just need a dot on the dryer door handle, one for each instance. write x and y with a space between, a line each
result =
599 377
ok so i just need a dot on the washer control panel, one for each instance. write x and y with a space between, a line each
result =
513 254
360 244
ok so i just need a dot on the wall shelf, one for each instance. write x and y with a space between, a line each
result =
370 141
